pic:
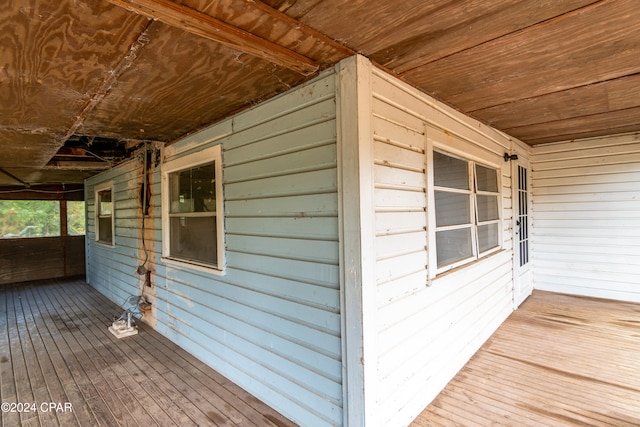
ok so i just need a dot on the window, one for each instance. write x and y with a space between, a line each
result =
467 210
104 213
29 218
192 210
75 218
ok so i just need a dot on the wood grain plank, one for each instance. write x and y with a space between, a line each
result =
450 29
151 401
503 70
150 381
181 414
605 123
489 408
557 360
62 368
185 375
130 394
190 384
24 393
67 358
86 374
177 380
612 95
44 357
111 389
543 407
404 34
8 390
31 259
540 381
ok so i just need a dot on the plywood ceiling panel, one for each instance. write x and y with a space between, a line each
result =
55 54
201 83
26 149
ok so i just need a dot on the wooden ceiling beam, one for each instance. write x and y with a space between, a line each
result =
201 24
263 8
71 165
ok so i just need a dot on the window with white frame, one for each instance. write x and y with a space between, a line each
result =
192 210
104 213
467 210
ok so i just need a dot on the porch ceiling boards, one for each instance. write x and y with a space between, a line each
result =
131 70
55 347
558 360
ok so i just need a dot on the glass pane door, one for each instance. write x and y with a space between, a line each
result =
523 216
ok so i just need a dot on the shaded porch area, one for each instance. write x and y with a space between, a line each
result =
558 360
55 348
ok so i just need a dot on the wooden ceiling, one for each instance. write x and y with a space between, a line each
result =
78 71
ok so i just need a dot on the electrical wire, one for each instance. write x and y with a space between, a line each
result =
144 204
96 156
41 191
134 302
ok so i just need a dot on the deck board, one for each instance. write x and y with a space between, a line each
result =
55 346
558 360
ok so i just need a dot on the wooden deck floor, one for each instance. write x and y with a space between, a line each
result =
55 347
557 361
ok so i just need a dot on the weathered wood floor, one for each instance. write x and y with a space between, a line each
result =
55 347
557 361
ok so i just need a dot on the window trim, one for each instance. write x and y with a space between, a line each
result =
99 188
192 160
459 149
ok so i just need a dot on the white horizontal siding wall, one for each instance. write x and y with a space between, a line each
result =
272 322
426 333
586 197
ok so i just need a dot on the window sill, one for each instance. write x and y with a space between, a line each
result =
193 266
458 268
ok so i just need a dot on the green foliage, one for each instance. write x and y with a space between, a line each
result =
39 218
75 218
29 218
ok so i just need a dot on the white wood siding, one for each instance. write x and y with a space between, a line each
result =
427 329
272 322
586 197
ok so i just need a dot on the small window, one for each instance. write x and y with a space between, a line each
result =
193 221
75 218
104 214
467 210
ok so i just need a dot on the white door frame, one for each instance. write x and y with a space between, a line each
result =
521 197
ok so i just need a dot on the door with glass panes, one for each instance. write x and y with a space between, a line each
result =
522 271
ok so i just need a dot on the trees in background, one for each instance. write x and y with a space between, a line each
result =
39 218
75 218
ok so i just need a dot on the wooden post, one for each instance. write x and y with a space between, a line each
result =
63 233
